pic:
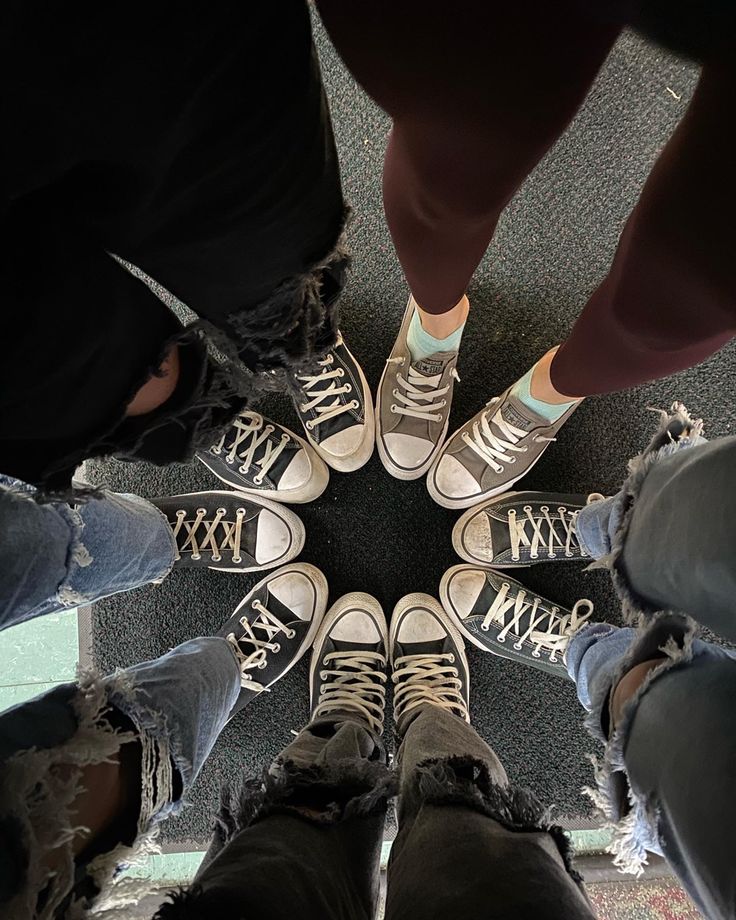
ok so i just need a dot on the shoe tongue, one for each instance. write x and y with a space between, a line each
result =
434 364
357 647
431 647
516 413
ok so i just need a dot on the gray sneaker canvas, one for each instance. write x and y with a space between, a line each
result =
491 452
413 406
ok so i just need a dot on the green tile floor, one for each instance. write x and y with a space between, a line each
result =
35 656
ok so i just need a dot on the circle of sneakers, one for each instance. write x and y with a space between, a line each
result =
247 529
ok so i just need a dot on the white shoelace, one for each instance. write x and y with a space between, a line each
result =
547 630
354 681
189 537
423 396
317 396
421 679
267 623
494 447
250 434
561 524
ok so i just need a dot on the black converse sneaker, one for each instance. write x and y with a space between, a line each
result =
228 532
522 528
348 670
274 625
501 616
428 661
335 407
261 457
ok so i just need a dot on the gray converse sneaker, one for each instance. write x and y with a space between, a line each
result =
261 457
491 452
335 407
521 528
229 532
348 670
501 616
413 406
274 625
428 661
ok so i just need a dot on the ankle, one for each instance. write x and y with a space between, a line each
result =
158 388
541 387
628 686
442 325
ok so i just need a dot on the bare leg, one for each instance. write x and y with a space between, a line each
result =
157 388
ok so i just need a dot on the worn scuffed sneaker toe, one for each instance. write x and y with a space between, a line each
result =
491 452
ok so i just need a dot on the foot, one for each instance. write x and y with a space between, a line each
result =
228 532
274 625
261 457
413 406
348 670
491 452
335 407
428 661
521 528
501 616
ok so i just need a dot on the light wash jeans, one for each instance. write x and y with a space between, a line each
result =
57 556
667 777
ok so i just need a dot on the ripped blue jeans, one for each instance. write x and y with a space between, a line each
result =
666 779
58 556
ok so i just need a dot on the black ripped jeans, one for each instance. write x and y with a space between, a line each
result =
306 842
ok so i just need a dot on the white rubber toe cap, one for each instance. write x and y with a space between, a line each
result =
407 451
297 473
453 480
473 539
345 442
273 539
463 590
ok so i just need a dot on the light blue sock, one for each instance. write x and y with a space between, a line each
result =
550 411
422 344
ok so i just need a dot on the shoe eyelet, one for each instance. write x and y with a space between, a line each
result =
451 659
196 556
216 451
276 649
394 392
222 510
291 634
569 555
348 388
500 469
511 460
535 654
544 508
323 675
340 372
484 627
229 460
258 480
527 508
551 555
394 407
216 558
501 640
444 402
309 426
534 555
553 659
237 560
518 646
302 407
262 665
354 404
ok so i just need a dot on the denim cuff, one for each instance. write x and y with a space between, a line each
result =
677 431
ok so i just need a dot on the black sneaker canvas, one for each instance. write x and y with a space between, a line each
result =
229 532
428 661
501 616
260 457
335 407
274 625
348 669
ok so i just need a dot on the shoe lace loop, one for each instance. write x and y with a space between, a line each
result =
524 620
257 657
421 679
316 392
423 394
214 535
492 447
249 433
354 681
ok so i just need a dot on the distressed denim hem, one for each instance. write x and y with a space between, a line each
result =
665 442
42 806
446 781
352 790
633 820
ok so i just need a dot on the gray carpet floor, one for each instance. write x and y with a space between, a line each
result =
372 533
